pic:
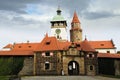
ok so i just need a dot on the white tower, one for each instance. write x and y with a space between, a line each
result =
58 26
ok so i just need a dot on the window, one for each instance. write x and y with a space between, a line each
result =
102 44
29 46
90 55
19 46
47 54
47 65
58 37
91 68
108 51
48 43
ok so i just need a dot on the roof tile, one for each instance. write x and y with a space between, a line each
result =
108 55
101 44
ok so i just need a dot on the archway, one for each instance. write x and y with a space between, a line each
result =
73 68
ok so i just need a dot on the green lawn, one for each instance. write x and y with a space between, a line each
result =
4 77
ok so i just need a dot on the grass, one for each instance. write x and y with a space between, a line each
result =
4 77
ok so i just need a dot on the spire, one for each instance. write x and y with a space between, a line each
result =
75 18
58 11
85 37
46 35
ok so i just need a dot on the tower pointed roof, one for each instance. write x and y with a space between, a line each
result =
75 18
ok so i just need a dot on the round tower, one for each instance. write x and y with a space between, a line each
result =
75 31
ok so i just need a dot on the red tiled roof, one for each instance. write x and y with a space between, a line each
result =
64 45
75 18
48 44
85 46
108 55
16 53
8 46
102 44
25 46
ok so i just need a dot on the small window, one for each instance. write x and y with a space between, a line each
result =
29 46
47 66
47 43
90 55
91 68
102 44
58 36
47 54
108 51
19 46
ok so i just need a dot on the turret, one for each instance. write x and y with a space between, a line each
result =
76 31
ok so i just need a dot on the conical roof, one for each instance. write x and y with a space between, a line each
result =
75 18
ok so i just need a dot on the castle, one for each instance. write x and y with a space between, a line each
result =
55 55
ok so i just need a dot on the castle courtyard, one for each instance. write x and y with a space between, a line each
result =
67 78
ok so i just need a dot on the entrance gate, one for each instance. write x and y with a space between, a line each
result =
73 68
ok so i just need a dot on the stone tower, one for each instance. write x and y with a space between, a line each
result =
76 31
58 26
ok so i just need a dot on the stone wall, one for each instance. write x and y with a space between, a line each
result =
27 67
117 66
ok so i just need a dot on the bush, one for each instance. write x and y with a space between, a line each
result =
11 65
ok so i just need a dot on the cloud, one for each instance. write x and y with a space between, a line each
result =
101 9
16 5
30 19
98 15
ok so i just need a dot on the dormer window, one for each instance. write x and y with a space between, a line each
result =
19 46
47 42
102 44
29 46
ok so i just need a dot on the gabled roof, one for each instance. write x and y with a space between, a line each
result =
75 18
48 44
108 55
8 46
102 44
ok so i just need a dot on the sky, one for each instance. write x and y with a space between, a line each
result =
29 20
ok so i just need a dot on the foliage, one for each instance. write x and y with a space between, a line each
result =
10 65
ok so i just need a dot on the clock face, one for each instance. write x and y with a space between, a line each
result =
58 31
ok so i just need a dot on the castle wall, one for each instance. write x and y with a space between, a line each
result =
54 61
27 66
